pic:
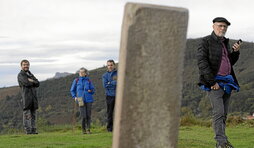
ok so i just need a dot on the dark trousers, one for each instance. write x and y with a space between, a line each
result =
85 113
29 120
110 111
220 102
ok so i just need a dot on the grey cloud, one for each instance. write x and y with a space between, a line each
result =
104 55
49 54
3 37
6 43
10 69
90 35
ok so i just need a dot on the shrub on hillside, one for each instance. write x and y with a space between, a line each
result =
234 120
250 123
192 120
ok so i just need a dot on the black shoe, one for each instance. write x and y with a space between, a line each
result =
88 132
229 145
109 129
220 145
34 131
225 145
83 131
28 133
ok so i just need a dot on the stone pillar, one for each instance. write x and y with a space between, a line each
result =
149 87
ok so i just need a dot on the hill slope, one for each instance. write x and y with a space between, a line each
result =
56 105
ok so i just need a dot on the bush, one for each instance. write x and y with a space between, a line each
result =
234 120
192 120
250 123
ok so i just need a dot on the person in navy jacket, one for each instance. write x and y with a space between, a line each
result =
82 91
109 83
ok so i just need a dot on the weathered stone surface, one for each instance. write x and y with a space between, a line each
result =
150 76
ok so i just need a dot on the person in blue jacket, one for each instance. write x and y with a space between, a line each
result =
109 83
82 91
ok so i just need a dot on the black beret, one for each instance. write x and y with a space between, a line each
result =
221 19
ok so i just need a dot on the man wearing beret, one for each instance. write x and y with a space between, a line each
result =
216 75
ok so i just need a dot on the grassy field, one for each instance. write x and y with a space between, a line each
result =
189 137
202 137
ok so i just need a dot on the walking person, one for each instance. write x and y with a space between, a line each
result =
82 91
215 62
28 84
109 80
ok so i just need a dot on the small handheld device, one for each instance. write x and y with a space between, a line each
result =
239 41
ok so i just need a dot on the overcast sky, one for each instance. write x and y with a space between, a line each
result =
64 35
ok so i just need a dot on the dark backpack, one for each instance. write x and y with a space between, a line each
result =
77 80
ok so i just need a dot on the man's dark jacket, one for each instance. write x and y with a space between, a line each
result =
28 90
209 59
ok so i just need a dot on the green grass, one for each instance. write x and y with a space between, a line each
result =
65 137
57 138
202 137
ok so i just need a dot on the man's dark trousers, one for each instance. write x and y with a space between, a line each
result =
29 116
110 111
220 102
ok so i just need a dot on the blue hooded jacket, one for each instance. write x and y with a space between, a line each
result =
225 82
109 82
80 87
